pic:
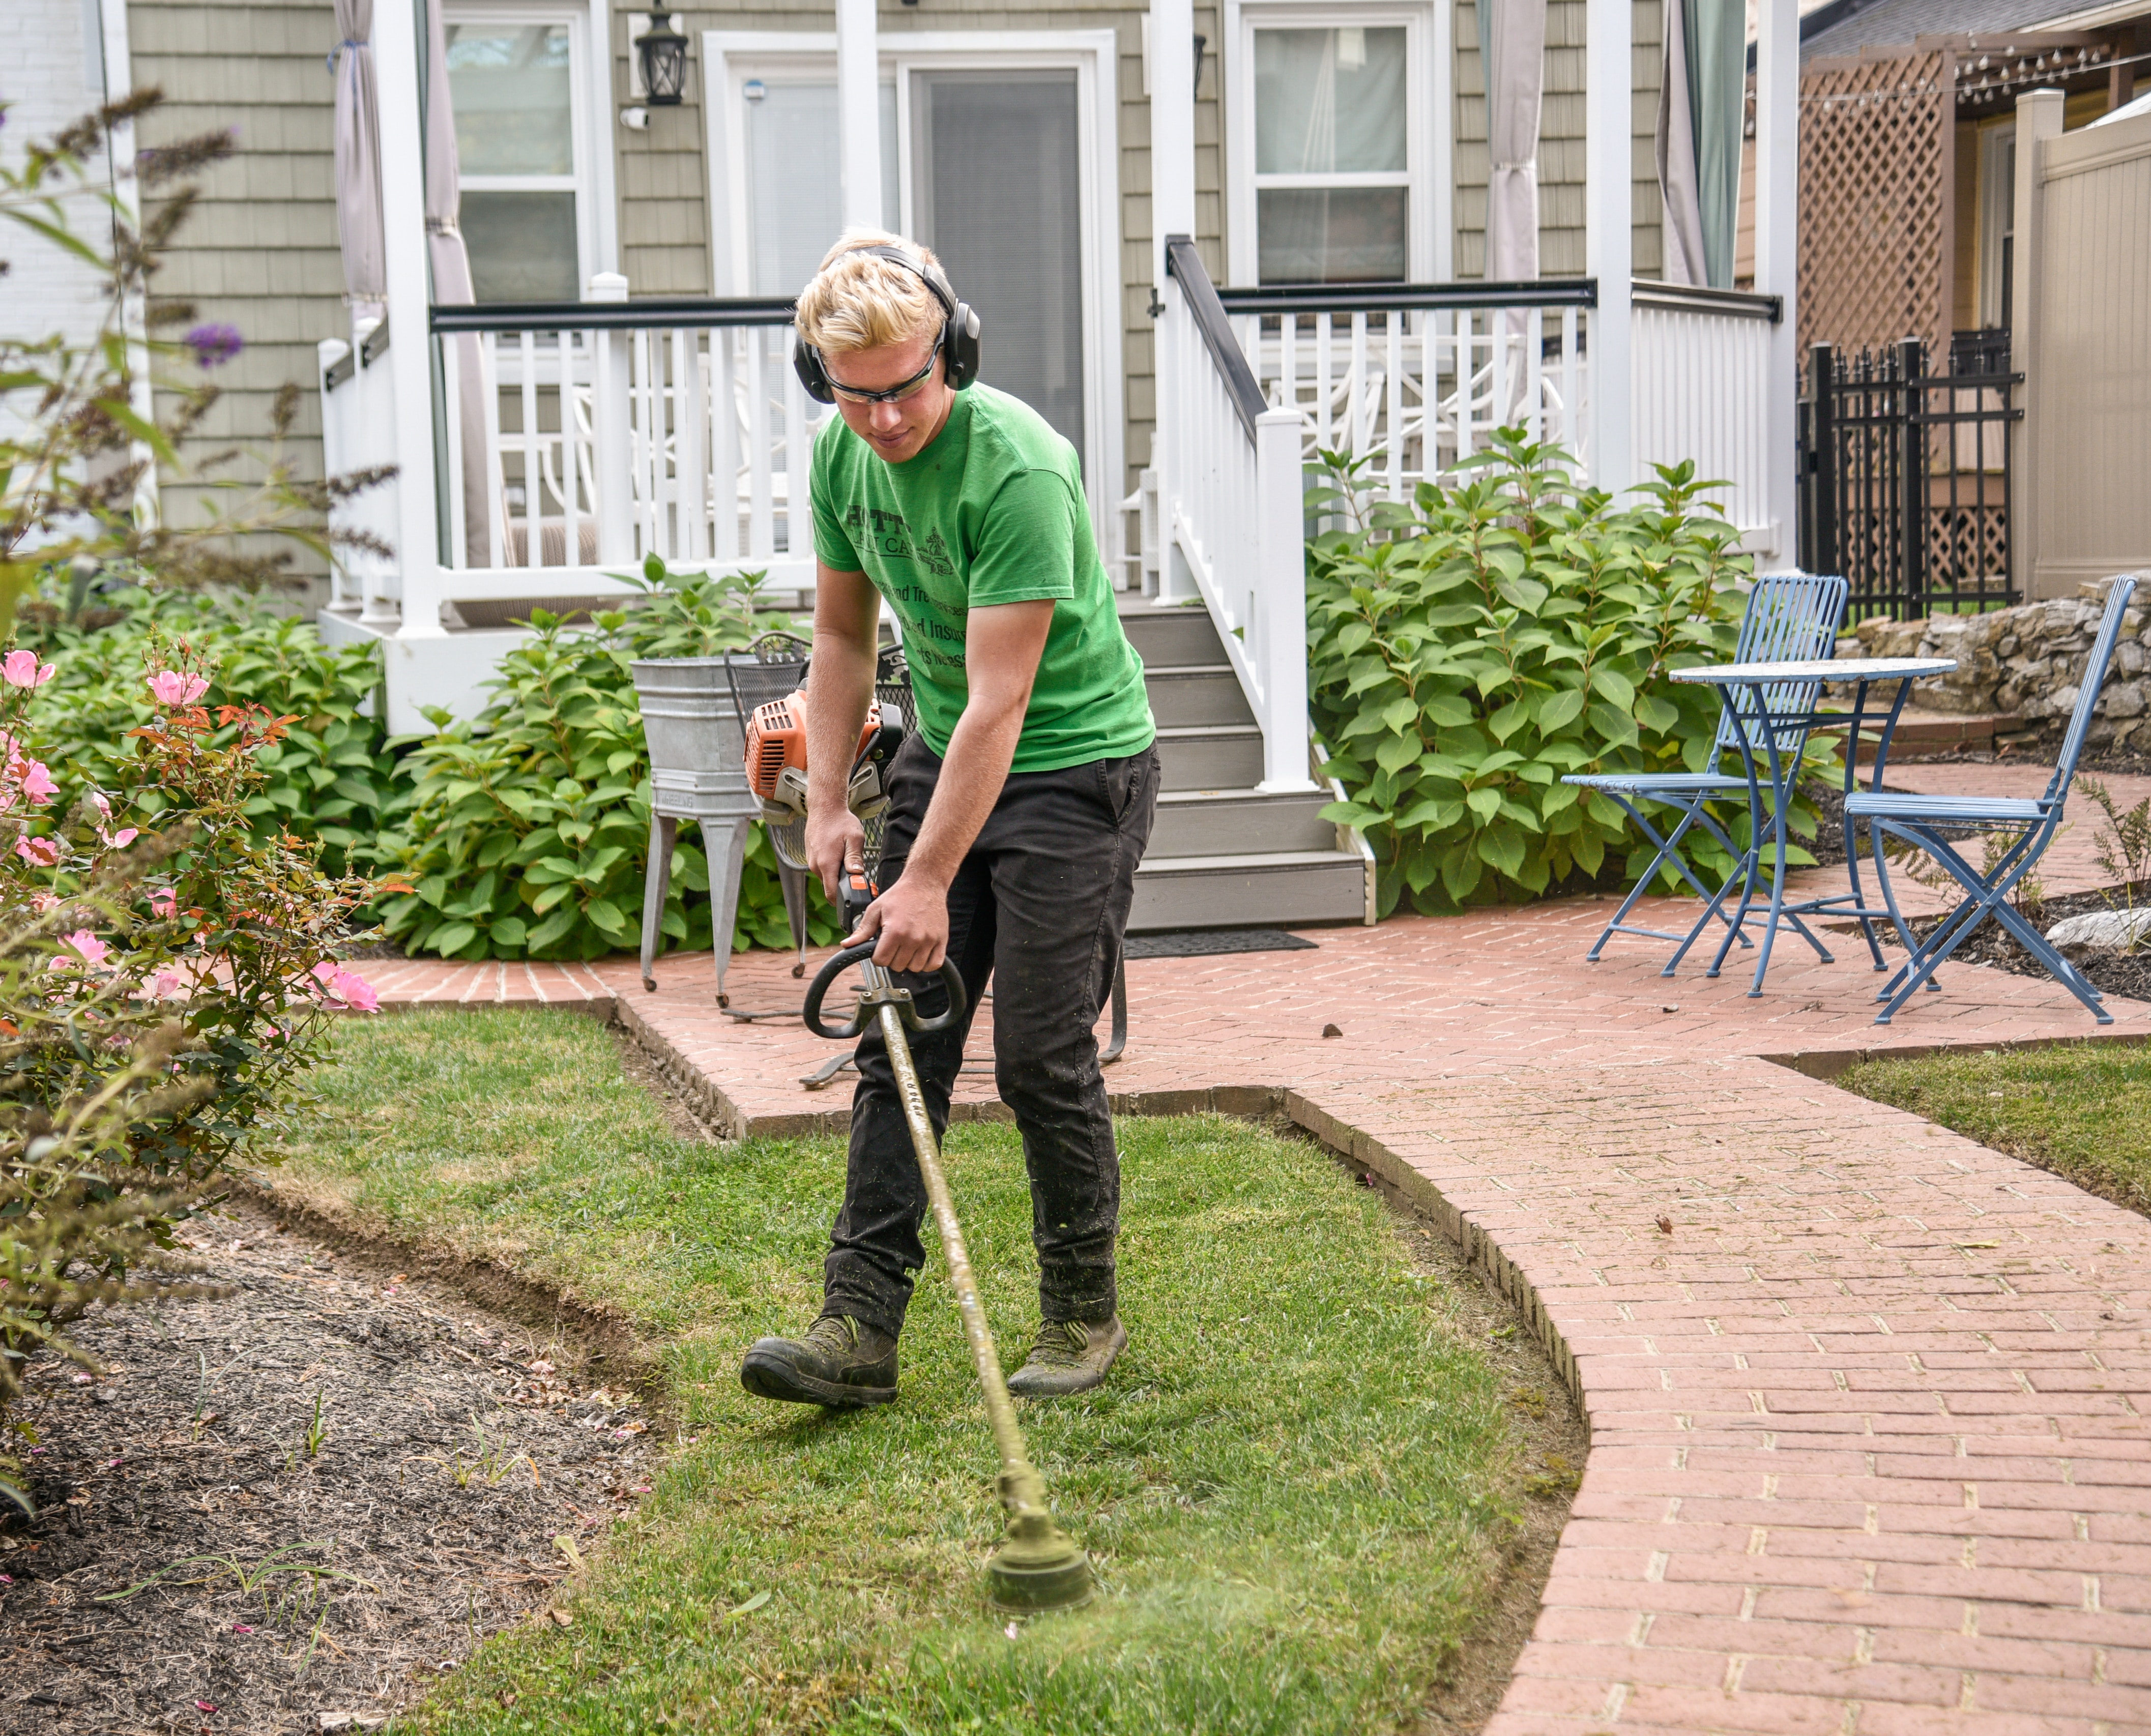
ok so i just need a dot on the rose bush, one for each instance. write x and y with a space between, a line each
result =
167 973
329 777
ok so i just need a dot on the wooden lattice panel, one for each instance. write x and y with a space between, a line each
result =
1876 164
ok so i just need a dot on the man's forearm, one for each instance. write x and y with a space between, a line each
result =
839 692
981 749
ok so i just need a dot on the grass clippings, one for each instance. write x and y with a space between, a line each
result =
2082 1110
1299 1487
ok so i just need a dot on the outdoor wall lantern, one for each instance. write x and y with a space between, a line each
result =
664 53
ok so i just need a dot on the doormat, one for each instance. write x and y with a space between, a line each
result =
1201 942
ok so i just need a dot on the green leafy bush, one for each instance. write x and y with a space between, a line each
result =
1468 649
527 830
326 779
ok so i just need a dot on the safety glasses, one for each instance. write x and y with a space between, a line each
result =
895 394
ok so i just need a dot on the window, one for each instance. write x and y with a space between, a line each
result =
513 86
1998 223
1332 168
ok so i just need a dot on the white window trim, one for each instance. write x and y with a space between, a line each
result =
1996 211
589 81
1090 55
1427 85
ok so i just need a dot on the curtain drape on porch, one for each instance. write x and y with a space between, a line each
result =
1702 113
450 260
358 161
1512 53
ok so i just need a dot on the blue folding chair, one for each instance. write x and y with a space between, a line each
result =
1791 617
2027 824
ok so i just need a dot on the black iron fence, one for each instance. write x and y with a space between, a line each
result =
1905 476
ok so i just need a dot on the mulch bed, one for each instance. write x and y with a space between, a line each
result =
2112 972
342 1573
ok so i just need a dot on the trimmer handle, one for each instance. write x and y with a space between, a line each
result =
952 979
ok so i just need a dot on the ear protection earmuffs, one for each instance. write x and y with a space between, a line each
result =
959 332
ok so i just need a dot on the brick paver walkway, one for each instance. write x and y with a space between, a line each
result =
1869 1444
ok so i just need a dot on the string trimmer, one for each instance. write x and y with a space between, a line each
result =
1038 1566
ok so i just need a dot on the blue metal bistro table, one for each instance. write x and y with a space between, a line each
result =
1773 707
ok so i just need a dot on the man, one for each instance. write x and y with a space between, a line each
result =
1020 806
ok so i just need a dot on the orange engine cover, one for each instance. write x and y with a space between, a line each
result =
776 737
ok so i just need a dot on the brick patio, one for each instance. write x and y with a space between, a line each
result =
1869 1449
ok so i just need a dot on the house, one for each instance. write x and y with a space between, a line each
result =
1373 254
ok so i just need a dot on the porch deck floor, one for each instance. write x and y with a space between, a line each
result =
1869 1444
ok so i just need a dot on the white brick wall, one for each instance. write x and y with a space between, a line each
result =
49 74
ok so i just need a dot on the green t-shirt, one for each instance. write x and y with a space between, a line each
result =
992 511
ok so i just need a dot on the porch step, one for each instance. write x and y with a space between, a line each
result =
1222 853
1240 823
1195 694
1211 756
1166 637
1265 889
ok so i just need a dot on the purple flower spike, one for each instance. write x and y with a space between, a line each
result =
214 345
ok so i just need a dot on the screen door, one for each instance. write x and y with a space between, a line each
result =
995 192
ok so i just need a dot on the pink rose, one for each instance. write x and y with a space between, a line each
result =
22 670
41 901
346 987
38 851
98 801
37 781
171 687
164 901
120 839
166 984
93 951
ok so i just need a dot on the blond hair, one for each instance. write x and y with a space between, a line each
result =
862 301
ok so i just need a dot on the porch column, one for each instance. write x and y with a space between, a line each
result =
1171 63
1777 265
858 113
409 296
1609 152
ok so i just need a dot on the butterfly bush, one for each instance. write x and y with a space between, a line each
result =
168 974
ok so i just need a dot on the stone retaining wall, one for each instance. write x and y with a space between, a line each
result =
2029 661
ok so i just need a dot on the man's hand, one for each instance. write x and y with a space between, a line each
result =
911 919
834 838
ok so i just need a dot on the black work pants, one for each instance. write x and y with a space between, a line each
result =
1039 906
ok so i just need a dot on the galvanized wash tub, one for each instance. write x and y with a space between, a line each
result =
697 771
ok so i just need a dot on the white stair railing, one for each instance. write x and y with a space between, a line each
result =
1229 476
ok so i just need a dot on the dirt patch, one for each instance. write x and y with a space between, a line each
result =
1556 1440
339 1558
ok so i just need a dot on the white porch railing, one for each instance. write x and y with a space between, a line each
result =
358 432
1252 383
1421 375
1700 389
605 431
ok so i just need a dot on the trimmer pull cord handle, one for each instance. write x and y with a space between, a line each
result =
881 990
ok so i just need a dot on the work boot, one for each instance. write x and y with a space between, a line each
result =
1071 1356
841 1361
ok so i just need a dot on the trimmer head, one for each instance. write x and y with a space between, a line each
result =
1038 1568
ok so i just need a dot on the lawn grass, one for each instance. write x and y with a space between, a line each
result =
1297 1487
2082 1110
